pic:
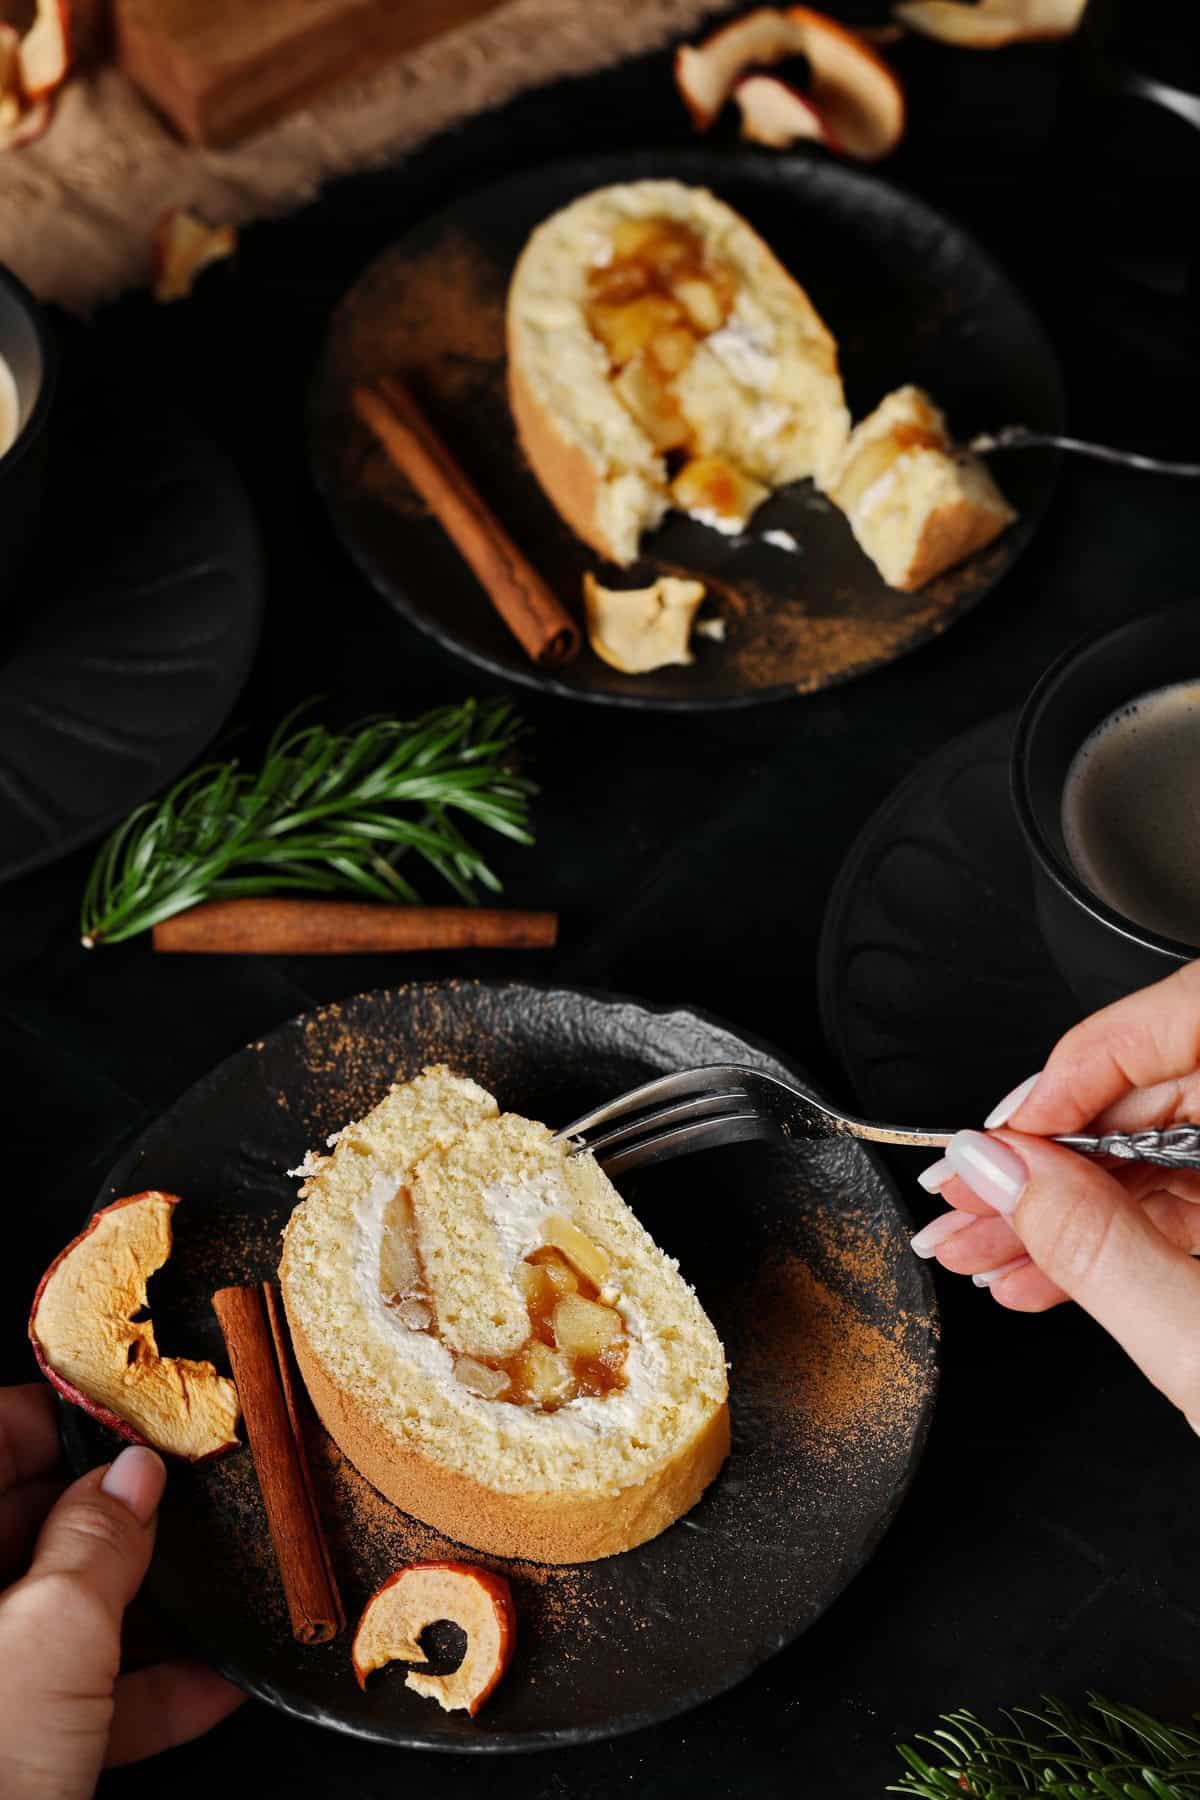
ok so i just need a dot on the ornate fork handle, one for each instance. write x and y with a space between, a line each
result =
1176 1147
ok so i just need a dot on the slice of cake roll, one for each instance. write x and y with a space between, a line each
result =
492 1338
659 354
916 503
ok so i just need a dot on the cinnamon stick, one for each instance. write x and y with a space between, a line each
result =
529 607
260 1372
347 927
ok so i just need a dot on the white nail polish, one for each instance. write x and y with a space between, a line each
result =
1004 1110
987 1276
934 1178
937 1231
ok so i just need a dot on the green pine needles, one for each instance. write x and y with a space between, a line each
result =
324 813
1110 1753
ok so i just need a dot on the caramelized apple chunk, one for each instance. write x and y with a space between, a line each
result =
478 1378
713 489
557 1269
542 1376
626 329
591 1261
400 1272
584 1328
645 394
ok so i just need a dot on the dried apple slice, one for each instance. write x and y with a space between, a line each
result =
10 79
20 121
476 1600
777 114
639 629
855 103
93 1346
990 24
32 124
183 245
46 50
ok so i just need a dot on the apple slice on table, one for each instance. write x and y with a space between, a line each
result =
184 245
93 1346
853 102
777 114
418 1595
20 122
990 24
46 50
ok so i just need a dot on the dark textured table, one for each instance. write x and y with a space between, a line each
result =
1048 1541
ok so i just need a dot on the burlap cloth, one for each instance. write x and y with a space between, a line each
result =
77 208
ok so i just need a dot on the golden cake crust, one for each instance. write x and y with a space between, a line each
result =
549 1528
563 470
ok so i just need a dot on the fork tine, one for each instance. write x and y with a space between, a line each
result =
664 1087
729 1100
681 1140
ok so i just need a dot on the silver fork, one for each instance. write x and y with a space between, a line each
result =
700 1109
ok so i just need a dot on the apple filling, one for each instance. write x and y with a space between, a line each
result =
576 1344
651 305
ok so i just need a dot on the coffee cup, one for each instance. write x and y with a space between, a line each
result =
28 367
1100 701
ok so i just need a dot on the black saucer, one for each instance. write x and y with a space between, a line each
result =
936 991
126 638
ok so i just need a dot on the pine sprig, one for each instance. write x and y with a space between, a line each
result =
1111 1753
324 813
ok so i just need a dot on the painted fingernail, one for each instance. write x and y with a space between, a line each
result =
1011 1103
137 1479
934 1178
937 1231
990 1169
987 1276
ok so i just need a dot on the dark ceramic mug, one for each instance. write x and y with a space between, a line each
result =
28 348
1102 954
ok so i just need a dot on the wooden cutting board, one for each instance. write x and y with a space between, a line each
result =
218 69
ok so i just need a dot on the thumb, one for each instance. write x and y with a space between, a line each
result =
101 1532
60 1627
1083 1231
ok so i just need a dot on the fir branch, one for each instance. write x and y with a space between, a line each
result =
1111 1753
324 813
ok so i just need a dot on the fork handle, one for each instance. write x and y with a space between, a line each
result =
1173 1147
1019 437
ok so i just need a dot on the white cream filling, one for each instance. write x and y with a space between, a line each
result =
747 351
878 491
722 522
768 421
516 1214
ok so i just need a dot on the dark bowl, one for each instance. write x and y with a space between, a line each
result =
28 348
1102 954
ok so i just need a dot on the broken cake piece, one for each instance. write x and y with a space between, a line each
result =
916 503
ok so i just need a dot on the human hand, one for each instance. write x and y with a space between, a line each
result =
65 1710
1038 1224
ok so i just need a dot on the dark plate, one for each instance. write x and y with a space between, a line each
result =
800 1257
937 993
909 296
125 645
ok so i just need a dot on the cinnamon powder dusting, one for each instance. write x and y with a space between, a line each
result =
807 1350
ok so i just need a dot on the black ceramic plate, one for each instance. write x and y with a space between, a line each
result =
800 1257
937 993
126 643
907 294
